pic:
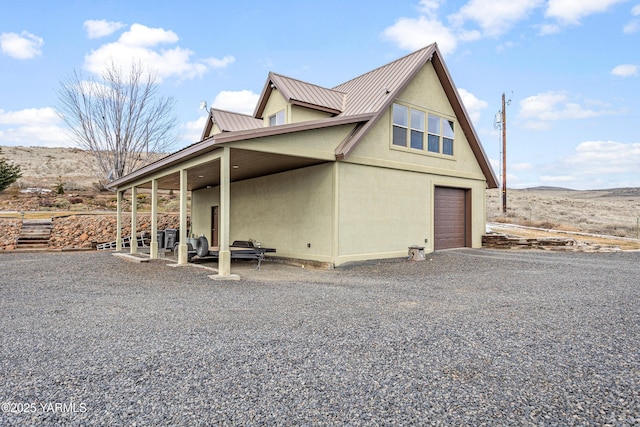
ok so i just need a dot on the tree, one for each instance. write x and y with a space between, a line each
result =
9 173
120 119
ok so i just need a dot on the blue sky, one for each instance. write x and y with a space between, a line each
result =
569 67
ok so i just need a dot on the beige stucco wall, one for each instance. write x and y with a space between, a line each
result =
302 114
275 103
382 212
286 211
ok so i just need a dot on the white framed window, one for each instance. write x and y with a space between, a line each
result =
400 125
410 125
277 118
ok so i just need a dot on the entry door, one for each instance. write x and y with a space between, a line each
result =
214 226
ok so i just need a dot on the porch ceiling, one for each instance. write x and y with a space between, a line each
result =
245 164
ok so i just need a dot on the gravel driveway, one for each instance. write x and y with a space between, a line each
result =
468 337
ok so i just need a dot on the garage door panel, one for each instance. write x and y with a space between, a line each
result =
449 218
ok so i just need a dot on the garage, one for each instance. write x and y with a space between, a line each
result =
451 218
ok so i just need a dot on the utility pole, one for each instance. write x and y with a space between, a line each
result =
504 155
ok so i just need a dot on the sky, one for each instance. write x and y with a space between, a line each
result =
570 69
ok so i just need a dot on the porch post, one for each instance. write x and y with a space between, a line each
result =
224 255
153 254
134 220
183 257
119 220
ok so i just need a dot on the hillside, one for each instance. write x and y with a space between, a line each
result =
614 211
44 167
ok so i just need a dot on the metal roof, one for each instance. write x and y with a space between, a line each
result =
301 93
362 100
371 91
231 122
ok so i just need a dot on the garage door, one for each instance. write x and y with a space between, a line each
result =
450 218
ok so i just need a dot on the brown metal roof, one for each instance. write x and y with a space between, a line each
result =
372 91
362 100
301 93
231 122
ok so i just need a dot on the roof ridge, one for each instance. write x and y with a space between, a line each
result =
232 112
305 82
386 65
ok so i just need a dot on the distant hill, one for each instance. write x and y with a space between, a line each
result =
44 167
548 188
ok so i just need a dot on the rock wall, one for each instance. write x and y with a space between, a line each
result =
9 232
84 231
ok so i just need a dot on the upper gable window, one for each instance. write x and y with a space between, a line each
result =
409 130
277 118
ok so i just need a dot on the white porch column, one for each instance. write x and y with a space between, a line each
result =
134 221
183 257
119 220
153 254
224 255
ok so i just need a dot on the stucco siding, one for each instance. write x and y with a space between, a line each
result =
382 212
302 114
289 211
275 103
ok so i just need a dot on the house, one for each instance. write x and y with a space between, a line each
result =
360 171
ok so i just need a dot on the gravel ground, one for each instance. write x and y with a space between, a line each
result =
468 337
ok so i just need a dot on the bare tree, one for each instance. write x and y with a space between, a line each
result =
120 119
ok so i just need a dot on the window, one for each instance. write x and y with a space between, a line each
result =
434 134
400 124
277 119
417 129
447 137
409 130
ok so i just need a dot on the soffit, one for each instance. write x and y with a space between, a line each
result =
244 164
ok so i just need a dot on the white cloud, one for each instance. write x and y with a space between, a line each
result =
101 28
21 46
572 11
625 70
597 164
33 127
473 105
140 44
429 7
495 17
220 63
631 27
541 109
193 129
546 29
243 101
634 25
142 36
413 34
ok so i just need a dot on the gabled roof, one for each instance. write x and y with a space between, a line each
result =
230 122
376 90
361 101
300 93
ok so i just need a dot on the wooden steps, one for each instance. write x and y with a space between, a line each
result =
35 234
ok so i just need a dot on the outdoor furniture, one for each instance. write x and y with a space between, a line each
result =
239 249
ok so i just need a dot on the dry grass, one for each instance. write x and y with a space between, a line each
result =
614 212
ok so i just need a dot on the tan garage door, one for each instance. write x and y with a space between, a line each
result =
450 218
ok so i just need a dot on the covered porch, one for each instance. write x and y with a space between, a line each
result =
191 169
